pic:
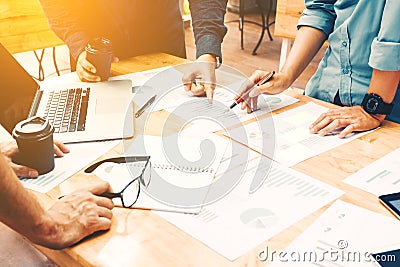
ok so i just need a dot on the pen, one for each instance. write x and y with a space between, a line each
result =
146 105
262 81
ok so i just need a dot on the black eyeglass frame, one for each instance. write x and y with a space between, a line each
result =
119 160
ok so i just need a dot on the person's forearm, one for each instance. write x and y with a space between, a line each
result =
384 84
63 19
208 25
307 43
20 210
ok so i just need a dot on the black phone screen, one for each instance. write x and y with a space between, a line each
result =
392 202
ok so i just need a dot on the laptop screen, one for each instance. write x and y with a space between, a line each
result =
17 92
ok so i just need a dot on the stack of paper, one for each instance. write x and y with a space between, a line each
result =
240 221
290 133
345 235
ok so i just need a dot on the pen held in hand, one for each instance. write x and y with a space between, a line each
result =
145 106
262 81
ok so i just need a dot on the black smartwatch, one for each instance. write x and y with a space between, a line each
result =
373 104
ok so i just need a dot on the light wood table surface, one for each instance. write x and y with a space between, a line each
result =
24 27
141 238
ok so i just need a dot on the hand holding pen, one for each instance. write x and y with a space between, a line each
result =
247 96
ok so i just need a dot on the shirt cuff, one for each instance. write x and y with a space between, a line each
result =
316 19
76 44
385 55
208 44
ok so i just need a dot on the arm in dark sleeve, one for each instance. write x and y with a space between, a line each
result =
63 18
208 25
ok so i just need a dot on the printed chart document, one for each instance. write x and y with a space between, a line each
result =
240 221
345 235
219 111
293 140
80 155
380 177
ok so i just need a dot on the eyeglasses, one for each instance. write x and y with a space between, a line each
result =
130 193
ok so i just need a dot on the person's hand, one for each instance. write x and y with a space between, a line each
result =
86 71
250 92
10 149
203 70
348 119
78 215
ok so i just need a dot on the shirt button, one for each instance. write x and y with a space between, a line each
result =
345 71
344 43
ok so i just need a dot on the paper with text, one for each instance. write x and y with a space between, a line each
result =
172 170
344 235
380 177
218 113
240 221
293 140
80 155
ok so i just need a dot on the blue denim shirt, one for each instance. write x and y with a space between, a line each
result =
362 35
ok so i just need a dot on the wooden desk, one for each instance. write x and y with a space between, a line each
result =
141 238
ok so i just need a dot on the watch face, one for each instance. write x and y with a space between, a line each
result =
372 105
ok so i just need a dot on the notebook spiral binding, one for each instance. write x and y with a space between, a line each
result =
190 169
182 168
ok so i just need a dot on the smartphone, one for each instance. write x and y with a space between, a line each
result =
387 258
392 203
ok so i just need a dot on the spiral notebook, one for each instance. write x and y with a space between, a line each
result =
187 179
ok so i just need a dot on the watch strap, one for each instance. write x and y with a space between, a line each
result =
381 108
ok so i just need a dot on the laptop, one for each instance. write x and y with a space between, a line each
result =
78 111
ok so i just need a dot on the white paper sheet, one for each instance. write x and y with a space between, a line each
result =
80 155
344 235
240 221
189 145
293 141
380 177
219 115
141 77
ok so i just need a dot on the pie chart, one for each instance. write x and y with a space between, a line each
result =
258 218
273 100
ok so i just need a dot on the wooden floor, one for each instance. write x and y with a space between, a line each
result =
268 53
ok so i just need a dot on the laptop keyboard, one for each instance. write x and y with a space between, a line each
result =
66 109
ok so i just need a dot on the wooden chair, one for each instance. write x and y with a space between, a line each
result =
288 13
265 21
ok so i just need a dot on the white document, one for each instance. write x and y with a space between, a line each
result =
380 177
118 176
219 115
344 235
290 130
80 155
141 77
179 162
240 221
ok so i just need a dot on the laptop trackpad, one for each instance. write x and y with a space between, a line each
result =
109 105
